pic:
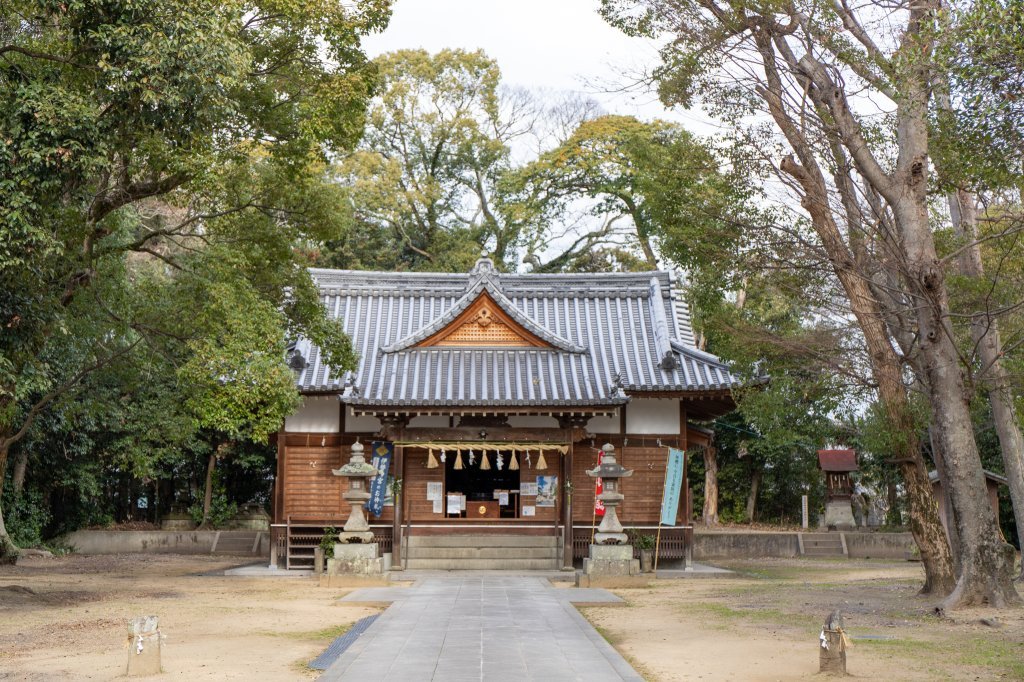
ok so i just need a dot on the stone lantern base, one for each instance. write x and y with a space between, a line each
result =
611 561
360 558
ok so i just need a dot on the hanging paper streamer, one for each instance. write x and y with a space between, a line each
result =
528 462
458 460
485 464
499 461
444 457
431 460
472 458
513 464
542 463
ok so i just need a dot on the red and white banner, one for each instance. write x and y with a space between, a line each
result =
598 488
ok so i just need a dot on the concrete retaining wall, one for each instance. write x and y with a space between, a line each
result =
879 545
744 545
756 545
125 541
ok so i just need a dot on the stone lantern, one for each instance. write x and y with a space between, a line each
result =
359 472
610 471
610 556
356 552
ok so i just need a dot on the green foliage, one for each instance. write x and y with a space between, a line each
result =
222 510
165 175
420 183
641 540
327 542
25 516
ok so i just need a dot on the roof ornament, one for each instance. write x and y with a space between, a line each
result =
616 386
483 269
670 362
294 357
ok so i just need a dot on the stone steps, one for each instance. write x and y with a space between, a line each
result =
482 552
239 542
823 544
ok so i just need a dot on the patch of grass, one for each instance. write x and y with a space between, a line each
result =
327 634
608 637
725 615
1005 657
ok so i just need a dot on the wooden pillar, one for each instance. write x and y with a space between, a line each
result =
278 511
396 531
567 510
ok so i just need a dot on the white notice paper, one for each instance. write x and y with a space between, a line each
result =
503 499
528 488
434 489
454 504
437 506
529 511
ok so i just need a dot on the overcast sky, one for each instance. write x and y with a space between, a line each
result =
553 44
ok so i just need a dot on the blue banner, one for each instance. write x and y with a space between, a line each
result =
381 461
673 485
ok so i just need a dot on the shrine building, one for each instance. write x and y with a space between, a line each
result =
493 394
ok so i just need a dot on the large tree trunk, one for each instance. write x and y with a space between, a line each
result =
208 491
710 513
19 471
8 550
985 334
755 485
986 568
887 371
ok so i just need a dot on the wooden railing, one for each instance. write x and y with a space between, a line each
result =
296 539
674 540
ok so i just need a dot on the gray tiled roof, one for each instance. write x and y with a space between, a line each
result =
609 333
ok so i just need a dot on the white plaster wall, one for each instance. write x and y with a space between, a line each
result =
317 414
604 424
361 424
430 421
532 422
652 415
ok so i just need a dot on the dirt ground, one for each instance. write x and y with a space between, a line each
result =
66 618
763 625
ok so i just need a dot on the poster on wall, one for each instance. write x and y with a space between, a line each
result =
438 503
434 490
454 504
529 510
528 489
547 490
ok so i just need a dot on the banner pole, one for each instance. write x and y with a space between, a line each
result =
657 548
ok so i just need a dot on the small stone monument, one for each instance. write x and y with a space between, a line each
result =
610 555
143 646
832 645
356 552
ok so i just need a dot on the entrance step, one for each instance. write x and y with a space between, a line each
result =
483 552
823 544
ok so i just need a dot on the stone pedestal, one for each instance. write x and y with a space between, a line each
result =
611 561
361 559
839 514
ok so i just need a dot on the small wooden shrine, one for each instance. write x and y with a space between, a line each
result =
837 466
488 396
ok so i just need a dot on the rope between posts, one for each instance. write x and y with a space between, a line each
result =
844 641
139 640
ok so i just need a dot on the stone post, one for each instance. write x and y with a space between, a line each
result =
143 646
356 552
832 644
610 555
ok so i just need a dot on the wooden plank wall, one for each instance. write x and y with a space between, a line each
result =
311 491
642 490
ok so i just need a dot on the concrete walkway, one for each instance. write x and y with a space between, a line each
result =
495 628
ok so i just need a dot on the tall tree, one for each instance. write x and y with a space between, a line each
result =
422 184
130 128
800 64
